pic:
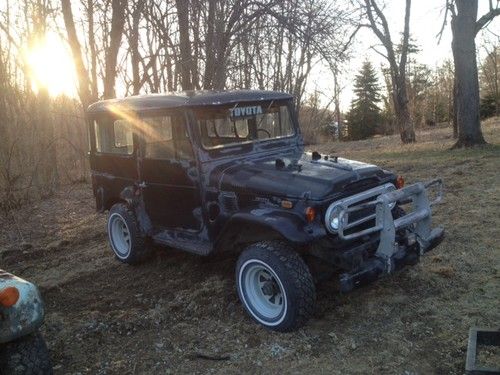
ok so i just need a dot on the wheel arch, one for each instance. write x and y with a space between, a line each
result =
106 200
112 201
248 227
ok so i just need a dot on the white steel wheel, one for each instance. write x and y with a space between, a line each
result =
127 241
275 285
119 235
262 292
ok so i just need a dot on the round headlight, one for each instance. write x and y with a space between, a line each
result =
335 223
332 218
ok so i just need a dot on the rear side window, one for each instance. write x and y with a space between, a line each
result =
165 136
114 136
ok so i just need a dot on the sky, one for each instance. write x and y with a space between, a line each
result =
426 19
425 23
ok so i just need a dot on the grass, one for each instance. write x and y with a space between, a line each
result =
464 271
163 311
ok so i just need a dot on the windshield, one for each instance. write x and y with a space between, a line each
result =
234 124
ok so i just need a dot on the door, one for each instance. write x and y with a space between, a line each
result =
112 158
169 173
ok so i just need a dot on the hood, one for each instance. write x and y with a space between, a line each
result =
300 176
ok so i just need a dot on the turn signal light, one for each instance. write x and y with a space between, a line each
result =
310 214
9 296
400 182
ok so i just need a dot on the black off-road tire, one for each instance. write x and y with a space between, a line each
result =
291 275
139 247
27 355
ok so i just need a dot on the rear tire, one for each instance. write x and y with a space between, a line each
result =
275 285
125 238
27 355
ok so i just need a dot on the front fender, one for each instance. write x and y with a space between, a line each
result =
26 315
288 224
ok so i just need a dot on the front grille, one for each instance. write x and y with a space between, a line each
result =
353 216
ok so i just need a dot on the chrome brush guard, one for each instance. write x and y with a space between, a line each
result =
383 201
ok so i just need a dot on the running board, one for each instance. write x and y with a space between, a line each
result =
190 242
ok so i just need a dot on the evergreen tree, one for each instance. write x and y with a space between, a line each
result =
364 116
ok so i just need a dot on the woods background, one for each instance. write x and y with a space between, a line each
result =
124 47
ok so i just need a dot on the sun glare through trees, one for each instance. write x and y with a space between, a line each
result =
50 66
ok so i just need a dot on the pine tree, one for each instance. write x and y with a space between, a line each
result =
364 116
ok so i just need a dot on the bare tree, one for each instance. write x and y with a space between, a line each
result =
76 50
464 27
117 23
380 27
490 73
184 44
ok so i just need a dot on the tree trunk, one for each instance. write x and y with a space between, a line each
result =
210 46
117 23
134 48
380 27
81 71
454 117
336 93
463 26
184 43
93 50
402 112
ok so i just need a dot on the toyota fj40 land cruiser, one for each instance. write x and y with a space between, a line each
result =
22 348
208 171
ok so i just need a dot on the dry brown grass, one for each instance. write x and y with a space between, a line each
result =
106 317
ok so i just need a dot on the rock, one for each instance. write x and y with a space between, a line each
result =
58 244
277 350
253 341
333 336
23 246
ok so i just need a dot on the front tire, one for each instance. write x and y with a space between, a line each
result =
125 237
27 355
275 286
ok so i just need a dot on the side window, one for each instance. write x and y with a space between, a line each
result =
286 122
124 143
183 147
158 137
113 136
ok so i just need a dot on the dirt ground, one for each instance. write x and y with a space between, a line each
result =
104 317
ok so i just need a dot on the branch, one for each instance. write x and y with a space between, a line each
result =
9 36
406 37
448 8
378 52
385 36
373 24
349 41
487 18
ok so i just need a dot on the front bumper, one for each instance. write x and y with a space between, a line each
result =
26 315
392 253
